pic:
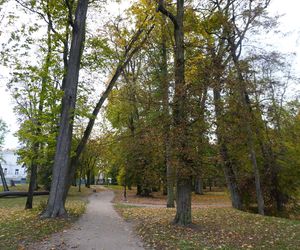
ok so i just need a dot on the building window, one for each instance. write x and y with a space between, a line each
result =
16 171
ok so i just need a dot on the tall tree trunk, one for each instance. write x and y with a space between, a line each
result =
183 173
60 177
183 201
38 132
271 168
3 180
170 176
248 117
235 37
230 176
183 187
32 184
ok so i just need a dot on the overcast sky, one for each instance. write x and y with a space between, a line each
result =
290 25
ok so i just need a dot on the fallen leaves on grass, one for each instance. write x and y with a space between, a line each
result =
19 226
213 229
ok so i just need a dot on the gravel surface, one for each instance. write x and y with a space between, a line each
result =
100 228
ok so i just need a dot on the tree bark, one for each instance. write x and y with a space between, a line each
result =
32 184
60 177
79 185
170 176
3 180
124 192
183 187
199 185
88 179
183 201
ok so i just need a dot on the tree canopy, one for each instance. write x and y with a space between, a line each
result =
169 95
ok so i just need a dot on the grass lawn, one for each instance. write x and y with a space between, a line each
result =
19 227
213 198
213 228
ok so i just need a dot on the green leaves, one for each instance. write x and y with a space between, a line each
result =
3 131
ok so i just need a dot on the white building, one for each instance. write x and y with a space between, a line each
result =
12 170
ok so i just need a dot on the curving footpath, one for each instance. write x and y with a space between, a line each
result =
100 228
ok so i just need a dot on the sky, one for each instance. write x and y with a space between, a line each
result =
288 42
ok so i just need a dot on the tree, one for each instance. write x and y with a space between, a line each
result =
3 131
56 202
131 48
183 182
170 176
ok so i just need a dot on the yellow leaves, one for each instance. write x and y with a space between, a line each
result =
19 226
21 248
213 229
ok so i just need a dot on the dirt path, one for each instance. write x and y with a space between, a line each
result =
100 228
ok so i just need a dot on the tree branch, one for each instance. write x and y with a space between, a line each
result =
70 15
48 21
161 8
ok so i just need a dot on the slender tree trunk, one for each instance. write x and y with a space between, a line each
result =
32 184
271 170
250 144
60 177
248 116
38 132
88 179
79 184
92 177
3 180
170 176
210 184
230 176
183 187
138 189
234 37
74 180
164 184
183 173
199 185
270 162
124 192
